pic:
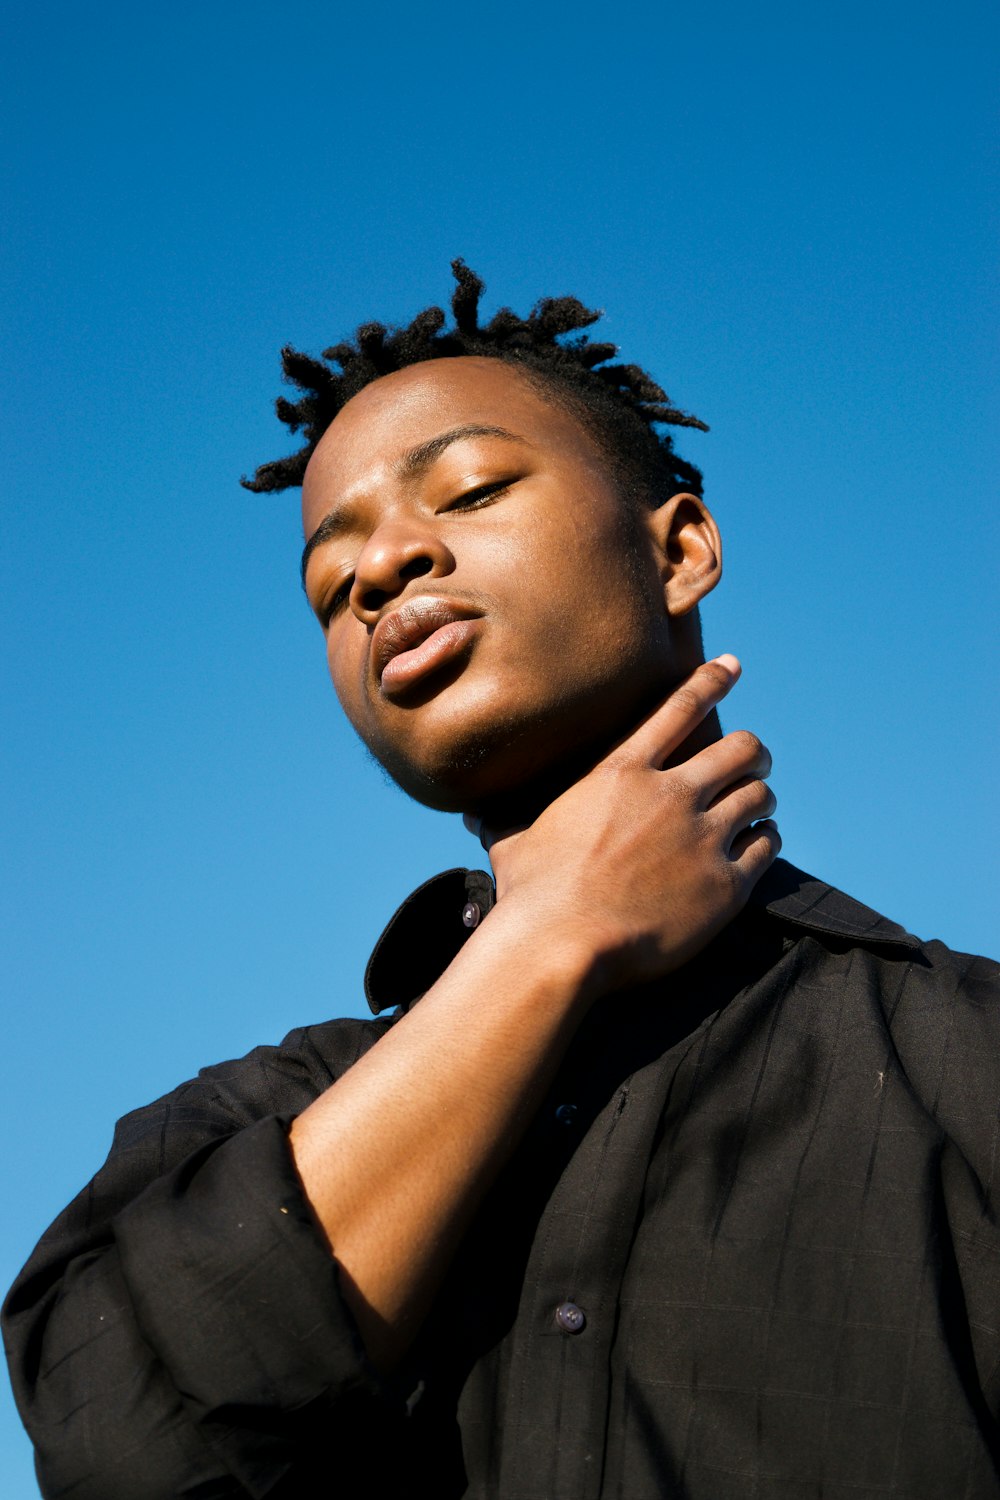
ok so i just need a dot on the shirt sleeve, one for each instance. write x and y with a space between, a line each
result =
179 1331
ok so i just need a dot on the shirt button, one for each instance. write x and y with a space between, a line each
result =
566 1114
471 914
571 1319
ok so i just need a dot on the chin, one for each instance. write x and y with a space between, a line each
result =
471 769
506 770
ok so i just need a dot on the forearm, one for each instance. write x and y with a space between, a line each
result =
396 1156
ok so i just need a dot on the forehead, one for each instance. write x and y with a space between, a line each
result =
394 414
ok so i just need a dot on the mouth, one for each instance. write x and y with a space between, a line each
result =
417 639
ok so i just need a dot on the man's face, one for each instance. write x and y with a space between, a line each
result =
492 606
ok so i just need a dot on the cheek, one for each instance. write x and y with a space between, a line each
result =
345 664
585 577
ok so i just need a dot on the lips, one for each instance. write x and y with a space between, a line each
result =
414 640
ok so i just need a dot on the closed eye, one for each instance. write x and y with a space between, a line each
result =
483 494
336 601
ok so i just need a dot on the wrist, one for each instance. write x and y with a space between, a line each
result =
560 952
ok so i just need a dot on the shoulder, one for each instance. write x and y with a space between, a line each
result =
281 1079
937 1010
807 904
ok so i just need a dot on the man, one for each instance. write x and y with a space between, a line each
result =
671 1172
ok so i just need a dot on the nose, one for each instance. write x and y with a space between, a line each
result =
396 552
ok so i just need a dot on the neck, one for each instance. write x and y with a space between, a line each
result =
520 806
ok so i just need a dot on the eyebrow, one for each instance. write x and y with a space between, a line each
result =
414 462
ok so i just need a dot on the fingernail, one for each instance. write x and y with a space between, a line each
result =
730 663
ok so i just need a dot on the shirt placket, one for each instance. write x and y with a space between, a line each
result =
555 1419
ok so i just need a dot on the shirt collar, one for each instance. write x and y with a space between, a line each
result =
428 929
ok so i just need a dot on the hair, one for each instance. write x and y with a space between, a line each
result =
621 405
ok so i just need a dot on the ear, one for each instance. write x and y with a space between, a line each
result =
689 549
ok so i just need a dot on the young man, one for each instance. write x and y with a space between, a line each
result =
671 1172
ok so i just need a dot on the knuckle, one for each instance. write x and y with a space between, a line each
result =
763 795
687 699
714 677
767 840
680 787
747 743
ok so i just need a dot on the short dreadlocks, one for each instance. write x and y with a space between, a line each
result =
620 405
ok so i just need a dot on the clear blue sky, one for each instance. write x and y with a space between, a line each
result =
785 211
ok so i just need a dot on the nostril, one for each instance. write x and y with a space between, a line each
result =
416 567
373 600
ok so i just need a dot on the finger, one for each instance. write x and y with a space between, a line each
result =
716 770
747 802
756 848
669 725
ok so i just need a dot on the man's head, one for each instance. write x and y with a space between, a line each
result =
506 561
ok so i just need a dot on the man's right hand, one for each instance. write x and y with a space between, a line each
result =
646 865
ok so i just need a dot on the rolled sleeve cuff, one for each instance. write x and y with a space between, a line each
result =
234 1286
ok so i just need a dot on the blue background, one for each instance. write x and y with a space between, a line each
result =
784 211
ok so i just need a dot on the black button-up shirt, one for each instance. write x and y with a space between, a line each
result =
748 1248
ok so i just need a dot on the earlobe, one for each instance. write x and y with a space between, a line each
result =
690 551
